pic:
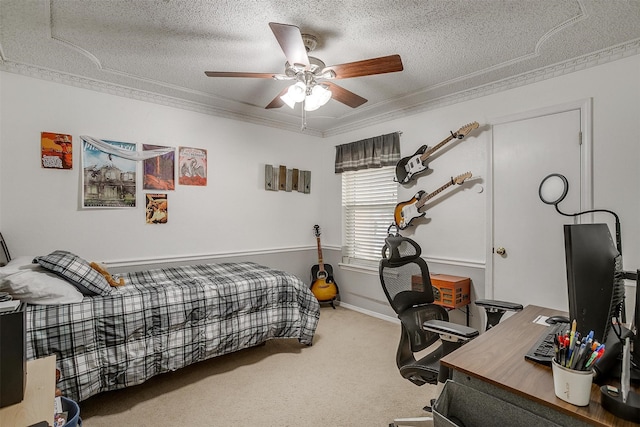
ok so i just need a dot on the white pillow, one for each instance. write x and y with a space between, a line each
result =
15 265
34 284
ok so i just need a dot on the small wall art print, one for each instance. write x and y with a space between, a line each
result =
156 209
193 166
56 150
108 181
159 172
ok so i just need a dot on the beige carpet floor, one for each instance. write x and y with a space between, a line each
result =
347 378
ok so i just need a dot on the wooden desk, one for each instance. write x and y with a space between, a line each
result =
496 359
39 395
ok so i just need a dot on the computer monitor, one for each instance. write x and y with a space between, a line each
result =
595 278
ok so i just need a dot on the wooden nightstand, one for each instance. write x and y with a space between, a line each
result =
39 394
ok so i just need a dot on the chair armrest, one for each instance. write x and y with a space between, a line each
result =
448 328
498 305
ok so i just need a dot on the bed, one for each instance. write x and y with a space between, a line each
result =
161 320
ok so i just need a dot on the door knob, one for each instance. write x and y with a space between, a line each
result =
501 251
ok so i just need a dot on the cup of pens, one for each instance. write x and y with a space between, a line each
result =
572 365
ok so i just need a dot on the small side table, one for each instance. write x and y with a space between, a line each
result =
451 292
39 395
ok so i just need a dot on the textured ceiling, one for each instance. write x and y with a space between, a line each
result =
158 50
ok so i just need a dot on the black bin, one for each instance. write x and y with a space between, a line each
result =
462 406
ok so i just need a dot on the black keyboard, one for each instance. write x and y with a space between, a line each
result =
542 351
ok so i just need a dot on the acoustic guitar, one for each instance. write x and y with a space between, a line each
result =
406 212
409 166
323 287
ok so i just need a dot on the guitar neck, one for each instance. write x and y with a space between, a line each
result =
430 151
424 199
320 263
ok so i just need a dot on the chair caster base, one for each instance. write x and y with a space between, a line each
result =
429 407
412 422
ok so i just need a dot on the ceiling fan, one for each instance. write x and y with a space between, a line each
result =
311 75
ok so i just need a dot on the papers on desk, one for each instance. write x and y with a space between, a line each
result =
541 320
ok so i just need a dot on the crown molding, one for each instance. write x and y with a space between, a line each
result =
566 67
141 95
604 56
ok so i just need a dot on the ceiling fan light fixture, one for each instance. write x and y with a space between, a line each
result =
287 100
320 95
297 92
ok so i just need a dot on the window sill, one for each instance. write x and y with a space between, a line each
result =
360 268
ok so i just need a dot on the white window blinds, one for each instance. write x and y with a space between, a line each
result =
369 197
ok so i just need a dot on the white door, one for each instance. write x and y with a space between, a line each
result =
526 149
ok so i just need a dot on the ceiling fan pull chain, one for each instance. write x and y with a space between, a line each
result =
304 115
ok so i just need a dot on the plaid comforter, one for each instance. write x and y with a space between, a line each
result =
165 319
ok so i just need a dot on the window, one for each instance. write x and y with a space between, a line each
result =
369 197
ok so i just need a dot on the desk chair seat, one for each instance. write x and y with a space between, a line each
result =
414 338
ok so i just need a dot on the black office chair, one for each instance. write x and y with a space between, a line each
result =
424 325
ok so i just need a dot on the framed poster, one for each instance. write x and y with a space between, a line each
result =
56 150
156 209
108 181
193 166
159 172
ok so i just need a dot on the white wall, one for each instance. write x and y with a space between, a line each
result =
454 240
234 215
39 210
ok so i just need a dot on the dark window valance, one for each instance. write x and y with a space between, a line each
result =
383 150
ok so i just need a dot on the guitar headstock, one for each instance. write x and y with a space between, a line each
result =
461 178
466 129
316 230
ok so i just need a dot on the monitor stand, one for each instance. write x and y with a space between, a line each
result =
622 402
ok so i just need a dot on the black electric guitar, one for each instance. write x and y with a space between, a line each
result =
406 212
409 166
323 287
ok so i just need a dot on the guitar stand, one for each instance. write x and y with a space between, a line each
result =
329 302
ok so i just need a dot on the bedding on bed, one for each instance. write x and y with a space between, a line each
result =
165 319
33 284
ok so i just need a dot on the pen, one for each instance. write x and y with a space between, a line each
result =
590 360
585 354
572 337
578 358
597 354
564 343
571 358
570 352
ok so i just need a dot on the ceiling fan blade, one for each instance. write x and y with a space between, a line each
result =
277 101
345 96
239 74
290 40
367 67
